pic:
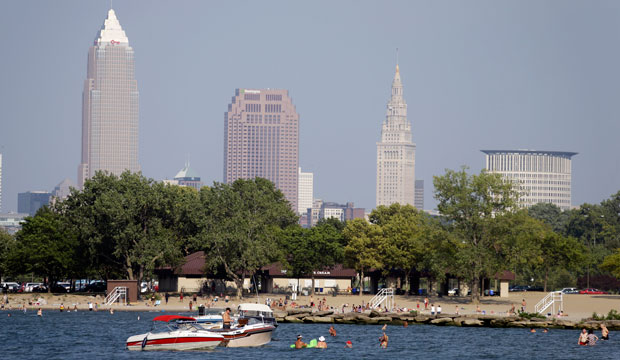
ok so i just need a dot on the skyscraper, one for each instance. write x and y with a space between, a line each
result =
305 192
109 105
396 152
419 194
0 181
539 176
261 139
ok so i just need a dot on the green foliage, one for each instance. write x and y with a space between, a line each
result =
473 204
613 314
43 247
529 316
363 248
239 227
551 215
7 243
611 264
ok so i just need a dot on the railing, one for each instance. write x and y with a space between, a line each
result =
550 300
384 295
118 293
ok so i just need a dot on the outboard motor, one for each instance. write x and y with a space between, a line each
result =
201 310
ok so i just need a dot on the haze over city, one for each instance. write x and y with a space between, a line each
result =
476 75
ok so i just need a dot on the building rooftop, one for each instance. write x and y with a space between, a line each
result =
538 152
186 172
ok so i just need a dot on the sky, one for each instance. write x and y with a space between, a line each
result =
541 75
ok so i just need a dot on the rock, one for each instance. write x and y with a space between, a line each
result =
292 319
318 319
441 321
383 319
299 311
279 313
344 320
375 313
566 324
323 313
422 319
472 322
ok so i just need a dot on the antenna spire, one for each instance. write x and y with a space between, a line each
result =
396 54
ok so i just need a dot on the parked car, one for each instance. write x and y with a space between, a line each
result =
41 288
519 288
569 290
11 286
536 288
58 288
453 292
96 286
29 287
593 291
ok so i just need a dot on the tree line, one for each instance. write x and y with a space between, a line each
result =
127 226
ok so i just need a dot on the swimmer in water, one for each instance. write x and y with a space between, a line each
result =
383 341
583 337
300 344
348 344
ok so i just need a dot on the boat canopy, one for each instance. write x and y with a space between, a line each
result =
168 318
254 307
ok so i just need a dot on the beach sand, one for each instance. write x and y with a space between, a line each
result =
576 306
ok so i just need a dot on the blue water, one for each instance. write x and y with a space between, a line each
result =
100 335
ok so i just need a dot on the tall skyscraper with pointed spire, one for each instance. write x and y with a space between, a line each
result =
109 105
396 152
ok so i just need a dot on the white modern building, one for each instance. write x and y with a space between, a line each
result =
541 176
396 152
305 192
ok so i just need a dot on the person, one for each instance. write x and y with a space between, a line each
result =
90 306
583 337
478 309
523 305
425 303
592 338
321 344
332 331
456 311
604 332
191 305
405 323
195 297
226 319
532 330
167 297
438 309
418 305
512 310
40 312
74 307
384 327
383 341
545 330
62 307
300 344
348 344
433 309
181 296
111 311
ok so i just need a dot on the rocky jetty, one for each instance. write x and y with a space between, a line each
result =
306 315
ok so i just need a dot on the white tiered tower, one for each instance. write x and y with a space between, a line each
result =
396 152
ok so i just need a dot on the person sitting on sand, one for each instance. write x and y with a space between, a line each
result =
583 337
383 341
321 344
604 332
332 331
512 310
300 344
592 339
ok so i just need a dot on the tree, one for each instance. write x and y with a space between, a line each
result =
240 225
362 251
124 223
7 243
471 203
550 214
43 247
611 264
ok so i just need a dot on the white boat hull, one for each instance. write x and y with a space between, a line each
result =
247 336
175 340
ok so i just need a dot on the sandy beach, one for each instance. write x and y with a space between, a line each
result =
576 306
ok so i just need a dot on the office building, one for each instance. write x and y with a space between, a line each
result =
31 201
305 192
109 105
540 176
396 152
331 210
63 189
12 222
261 139
187 177
419 195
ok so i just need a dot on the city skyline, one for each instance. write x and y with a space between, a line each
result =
507 75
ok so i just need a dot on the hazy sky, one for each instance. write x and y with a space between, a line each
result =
477 75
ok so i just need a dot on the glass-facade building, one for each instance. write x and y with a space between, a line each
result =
110 105
261 139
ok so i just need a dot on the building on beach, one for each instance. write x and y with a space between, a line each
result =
261 139
109 105
396 152
540 176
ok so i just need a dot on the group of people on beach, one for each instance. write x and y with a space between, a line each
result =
587 337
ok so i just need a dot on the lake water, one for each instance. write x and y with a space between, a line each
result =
100 335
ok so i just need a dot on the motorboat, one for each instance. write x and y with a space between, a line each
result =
178 333
212 316
252 326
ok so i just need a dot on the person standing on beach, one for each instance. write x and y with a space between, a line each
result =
604 332
433 309
425 303
523 305
181 296
456 311
167 296
438 309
